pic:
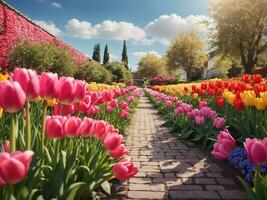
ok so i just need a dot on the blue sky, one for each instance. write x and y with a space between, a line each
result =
147 25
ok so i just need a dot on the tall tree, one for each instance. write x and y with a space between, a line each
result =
124 55
186 52
96 53
151 65
241 29
106 55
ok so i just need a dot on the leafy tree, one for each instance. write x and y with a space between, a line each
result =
120 72
241 29
106 55
124 55
93 71
151 65
42 57
96 53
223 64
186 52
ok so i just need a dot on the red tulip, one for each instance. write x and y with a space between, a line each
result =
246 78
63 109
100 129
238 104
124 169
71 126
109 109
29 81
48 85
107 95
256 150
85 103
220 101
54 127
12 97
94 97
66 90
256 78
14 166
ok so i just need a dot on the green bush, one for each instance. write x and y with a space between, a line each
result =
93 71
120 72
42 57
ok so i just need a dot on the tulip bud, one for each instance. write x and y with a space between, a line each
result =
48 85
13 97
66 90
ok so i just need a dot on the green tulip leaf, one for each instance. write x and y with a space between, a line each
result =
106 187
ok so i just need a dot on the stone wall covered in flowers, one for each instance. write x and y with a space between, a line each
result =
15 27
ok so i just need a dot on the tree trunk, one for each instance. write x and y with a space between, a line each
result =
249 67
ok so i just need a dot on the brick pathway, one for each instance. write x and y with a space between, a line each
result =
170 168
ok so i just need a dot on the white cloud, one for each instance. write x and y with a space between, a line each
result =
56 5
167 27
110 30
49 26
140 54
80 29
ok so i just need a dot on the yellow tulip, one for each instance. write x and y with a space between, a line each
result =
264 97
259 103
1 112
4 77
51 102
248 98
195 96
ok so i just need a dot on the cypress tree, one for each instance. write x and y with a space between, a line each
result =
106 55
96 53
124 56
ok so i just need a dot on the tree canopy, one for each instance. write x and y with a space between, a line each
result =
241 29
151 65
96 53
106 55
124 55
186 52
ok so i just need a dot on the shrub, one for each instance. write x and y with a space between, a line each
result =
93 71
162 80
42 57
120 72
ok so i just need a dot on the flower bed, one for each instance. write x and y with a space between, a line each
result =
61 140
222 114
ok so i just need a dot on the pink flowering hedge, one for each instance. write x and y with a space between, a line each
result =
15 27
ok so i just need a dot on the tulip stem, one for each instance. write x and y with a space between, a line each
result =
28 126
13 133
43 129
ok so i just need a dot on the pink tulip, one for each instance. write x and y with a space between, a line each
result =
199 120
208 112
14 166
111 142
85 104
202 104
118 152
168 103
80 90
54 127
94 97
109 109
107 95
225 143
100 129
256 150
48 85
12 97
218 122
124 169
86 128
6 146
113 103
123 104
124 114
178 111
66 90
29 81
71 126
63 110
130 99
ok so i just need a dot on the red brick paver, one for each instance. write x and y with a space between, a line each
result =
170 168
